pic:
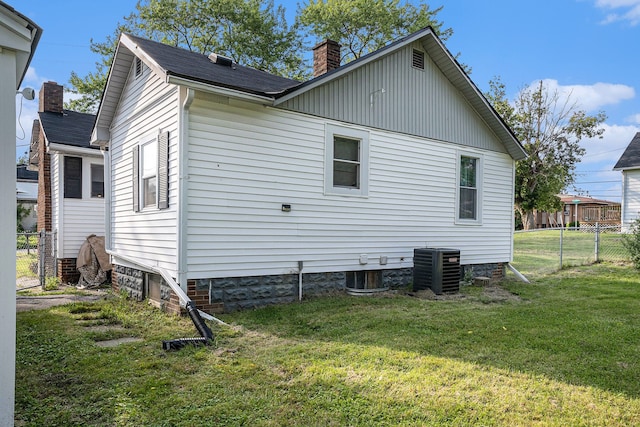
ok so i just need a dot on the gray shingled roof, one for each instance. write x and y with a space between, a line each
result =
631 157
198 67
69 128
25 174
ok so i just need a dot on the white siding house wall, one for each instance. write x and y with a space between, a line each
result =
246 161
74 219
148 106
630 197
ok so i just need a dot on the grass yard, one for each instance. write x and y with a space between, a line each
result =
537 253
24 261
562 351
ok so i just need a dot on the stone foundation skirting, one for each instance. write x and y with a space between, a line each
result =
216 295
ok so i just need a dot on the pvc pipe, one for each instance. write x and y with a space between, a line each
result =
300 265
517 273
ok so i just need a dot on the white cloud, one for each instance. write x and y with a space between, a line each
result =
610 147
630 11
635 118
587 97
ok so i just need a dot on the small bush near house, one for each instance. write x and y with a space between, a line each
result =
631 243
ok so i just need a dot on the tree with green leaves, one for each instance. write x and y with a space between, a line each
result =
550 128
251 32
363 26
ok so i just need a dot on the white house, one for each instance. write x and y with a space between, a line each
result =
70 178
27 195
247 188
629 165
19 37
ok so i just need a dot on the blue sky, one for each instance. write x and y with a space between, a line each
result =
586 49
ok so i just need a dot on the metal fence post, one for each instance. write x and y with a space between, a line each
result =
597 253
561 234
42 257
55 253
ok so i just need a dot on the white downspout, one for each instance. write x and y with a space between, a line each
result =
107 198
300 265
186 97
184 299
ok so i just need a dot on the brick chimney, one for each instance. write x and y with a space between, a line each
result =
50 98
326 57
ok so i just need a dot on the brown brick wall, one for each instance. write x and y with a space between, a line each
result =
67 271
326 57
51 97
44 185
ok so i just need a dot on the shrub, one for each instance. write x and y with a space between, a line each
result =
51 283
631 243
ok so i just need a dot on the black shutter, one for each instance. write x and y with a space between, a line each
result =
136 179
72 177
163 170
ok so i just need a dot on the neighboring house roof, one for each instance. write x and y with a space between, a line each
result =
568 199
69 128
180 66
24 174
630 159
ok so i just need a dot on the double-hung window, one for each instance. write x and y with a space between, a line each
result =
150 173
346 161
72 177
97 180
469 189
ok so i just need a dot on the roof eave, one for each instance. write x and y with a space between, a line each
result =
220 90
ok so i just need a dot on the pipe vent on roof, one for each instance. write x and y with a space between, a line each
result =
221 60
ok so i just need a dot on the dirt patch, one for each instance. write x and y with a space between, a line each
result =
494 293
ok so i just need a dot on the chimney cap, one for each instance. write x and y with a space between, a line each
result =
326 42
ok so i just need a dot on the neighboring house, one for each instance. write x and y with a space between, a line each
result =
248 188
27 195
587 211
629 165
19 37
70 178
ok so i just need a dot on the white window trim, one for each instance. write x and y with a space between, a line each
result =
141 195
332 130
479 188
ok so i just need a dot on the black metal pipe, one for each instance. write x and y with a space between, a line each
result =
205 332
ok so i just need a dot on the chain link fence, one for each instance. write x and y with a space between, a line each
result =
35 259
544 251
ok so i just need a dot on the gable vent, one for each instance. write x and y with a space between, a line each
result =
417 60
138 67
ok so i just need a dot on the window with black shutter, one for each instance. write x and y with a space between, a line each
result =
72 177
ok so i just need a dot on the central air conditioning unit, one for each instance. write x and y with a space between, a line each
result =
437 269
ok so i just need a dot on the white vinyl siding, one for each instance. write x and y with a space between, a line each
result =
246 161
148 106
392 94
630 197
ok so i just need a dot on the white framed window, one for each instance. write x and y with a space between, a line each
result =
97 180
150 173
346 161
469 189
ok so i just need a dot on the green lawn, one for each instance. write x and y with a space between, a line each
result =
537 253
562 351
